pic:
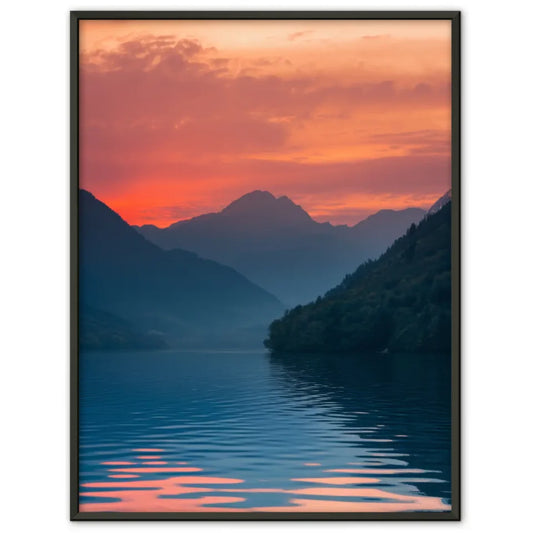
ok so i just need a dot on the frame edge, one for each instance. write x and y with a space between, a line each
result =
455 17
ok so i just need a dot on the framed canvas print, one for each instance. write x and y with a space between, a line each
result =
265 287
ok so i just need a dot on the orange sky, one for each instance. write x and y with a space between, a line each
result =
179 118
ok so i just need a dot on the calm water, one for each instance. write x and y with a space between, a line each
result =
172 431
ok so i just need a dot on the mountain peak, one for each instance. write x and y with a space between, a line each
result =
251 200
263 204
258 195
85 193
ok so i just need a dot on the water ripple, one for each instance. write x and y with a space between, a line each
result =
209 432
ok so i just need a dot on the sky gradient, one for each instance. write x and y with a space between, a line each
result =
179 118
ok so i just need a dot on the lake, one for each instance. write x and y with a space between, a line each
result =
249 431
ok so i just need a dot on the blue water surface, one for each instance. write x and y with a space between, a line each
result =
249 431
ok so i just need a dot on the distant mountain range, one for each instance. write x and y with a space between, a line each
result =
400 302
134 293
276 244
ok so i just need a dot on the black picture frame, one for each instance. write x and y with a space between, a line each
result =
455 17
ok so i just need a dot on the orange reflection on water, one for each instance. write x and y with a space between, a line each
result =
422 503
163 495
149 457
399 502
383 471
338 480
158 470
152 498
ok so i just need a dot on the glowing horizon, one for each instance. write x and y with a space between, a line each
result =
180 118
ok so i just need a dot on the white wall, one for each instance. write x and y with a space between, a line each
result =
497 193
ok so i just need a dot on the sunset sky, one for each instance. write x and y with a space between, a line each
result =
179 118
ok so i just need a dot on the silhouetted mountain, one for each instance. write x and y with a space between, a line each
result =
261 207
191 301
101 330
277 245
440 203
400 302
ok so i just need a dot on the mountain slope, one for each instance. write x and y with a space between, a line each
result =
441 202
188 299
104 331
277 245
400 302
